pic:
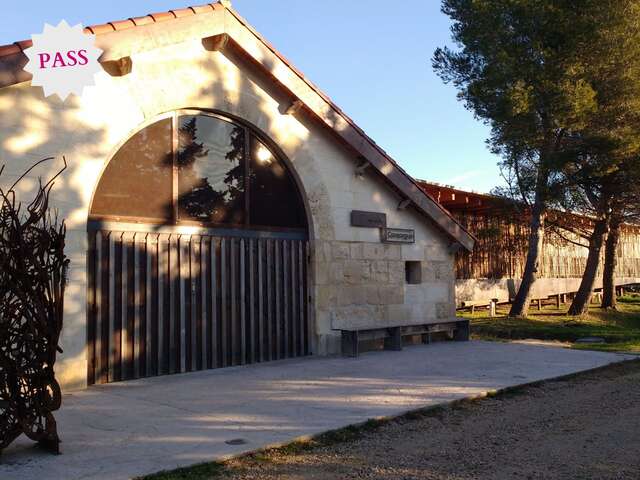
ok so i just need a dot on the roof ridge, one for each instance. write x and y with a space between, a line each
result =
19 47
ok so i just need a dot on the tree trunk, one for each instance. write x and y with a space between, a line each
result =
520 306
580 304
610 264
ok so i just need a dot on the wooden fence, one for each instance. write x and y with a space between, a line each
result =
501 249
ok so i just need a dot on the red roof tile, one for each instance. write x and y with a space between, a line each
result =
202 8
11 49
139 21
24 44
122 24
162 16
99 29
182 12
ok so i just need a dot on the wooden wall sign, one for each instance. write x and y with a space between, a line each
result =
360 218
398 235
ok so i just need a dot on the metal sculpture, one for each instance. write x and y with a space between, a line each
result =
33 270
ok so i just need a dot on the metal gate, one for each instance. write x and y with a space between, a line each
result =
162 303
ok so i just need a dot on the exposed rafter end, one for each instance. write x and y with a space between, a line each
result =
404 204
216 43
294 107
360 169
119 67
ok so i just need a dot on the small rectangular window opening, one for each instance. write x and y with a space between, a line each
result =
413 272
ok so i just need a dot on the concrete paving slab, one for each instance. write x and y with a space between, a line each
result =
127 429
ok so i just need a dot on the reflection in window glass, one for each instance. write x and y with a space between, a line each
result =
138 180
210 170
273 195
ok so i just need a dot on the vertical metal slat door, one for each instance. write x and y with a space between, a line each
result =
161 303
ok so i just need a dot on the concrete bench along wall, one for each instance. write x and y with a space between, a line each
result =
178 260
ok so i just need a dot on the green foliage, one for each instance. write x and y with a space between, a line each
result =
555 80
558 81
204 471
620 329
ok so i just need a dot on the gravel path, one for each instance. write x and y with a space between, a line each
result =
586 427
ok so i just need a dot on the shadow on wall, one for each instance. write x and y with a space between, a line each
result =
231 94
33 128
88 130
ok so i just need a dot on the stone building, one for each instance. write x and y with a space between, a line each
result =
214 202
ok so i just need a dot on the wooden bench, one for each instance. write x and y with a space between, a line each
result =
457 330
472 304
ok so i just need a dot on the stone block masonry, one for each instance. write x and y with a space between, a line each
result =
361 284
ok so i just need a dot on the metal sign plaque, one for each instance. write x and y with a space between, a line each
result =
398 235
368 219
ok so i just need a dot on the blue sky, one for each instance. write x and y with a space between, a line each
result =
372 57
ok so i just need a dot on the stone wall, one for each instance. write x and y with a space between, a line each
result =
483 290
357 279
362 284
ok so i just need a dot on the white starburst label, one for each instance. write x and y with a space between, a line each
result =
63 60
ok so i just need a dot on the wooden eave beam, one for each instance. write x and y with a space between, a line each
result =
362 167
118 68
216 43
404 204
294 107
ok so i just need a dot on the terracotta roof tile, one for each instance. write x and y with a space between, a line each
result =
24 44
101 28
7 50
139 21
122 24
17 47
162 16
98 29
202 8
182 12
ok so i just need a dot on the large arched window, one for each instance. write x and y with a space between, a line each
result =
199 168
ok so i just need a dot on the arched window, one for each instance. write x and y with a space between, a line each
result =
199 168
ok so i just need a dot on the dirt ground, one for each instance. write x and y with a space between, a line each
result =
585 427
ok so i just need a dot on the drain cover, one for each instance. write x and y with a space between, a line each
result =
236 441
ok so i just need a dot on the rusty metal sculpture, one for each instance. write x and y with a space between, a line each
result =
33 271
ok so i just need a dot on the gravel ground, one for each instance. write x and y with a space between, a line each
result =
585 427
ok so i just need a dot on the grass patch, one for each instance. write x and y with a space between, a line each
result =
349 433
620 329
204 471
